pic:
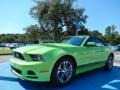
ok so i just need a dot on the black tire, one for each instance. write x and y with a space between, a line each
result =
59 74
109 63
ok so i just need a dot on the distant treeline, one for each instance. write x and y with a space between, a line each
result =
34 35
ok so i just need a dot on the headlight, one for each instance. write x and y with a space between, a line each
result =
36 57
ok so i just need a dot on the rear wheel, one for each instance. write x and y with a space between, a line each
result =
109 64
62 72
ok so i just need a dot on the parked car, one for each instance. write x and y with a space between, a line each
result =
15 45
117 47
60 62
7 44
2 45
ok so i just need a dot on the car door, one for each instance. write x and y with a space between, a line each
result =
102 52
89 54
93 54
98 52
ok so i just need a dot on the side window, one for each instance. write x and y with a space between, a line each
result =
96 40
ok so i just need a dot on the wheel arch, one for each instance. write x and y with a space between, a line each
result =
69 56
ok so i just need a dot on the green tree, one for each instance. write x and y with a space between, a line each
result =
20 38
96 33
111 35
33 33
54 15
83 31
7 38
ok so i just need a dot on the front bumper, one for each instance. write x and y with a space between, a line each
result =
32 71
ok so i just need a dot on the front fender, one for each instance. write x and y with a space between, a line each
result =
54 55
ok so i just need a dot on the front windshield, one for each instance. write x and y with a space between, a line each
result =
75 40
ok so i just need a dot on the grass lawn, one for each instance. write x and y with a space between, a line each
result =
5 51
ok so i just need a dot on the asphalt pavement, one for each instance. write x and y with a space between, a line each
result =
4 58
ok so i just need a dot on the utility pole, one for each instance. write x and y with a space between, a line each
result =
78 26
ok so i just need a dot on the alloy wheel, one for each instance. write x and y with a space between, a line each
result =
64 72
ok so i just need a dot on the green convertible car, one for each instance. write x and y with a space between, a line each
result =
59 62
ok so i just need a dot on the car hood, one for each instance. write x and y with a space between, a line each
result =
42 48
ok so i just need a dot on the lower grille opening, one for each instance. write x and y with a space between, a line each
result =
16 70
30 73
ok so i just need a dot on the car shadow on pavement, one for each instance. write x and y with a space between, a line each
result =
93 80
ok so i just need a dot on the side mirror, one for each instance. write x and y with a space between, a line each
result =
91 44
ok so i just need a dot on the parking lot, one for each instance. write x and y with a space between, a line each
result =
4 58
94 80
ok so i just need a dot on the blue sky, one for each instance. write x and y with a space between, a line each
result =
14 14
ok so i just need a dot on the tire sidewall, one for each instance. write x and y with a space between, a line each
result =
110 59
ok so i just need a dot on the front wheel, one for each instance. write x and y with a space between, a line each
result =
109 64
63 72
